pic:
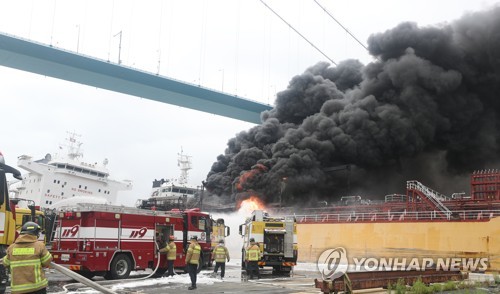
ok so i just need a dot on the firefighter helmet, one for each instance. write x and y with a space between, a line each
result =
31 228
171 238
252 240
221 241
194 237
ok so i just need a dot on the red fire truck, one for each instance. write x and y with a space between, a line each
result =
107 240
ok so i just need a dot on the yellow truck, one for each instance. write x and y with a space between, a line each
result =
276 237
7 217
28 213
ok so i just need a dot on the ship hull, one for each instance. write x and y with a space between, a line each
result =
430 239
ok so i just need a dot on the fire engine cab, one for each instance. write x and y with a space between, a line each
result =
108 240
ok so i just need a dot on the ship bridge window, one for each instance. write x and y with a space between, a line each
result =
61 166
93 173
175 190
100 175
190 192
86 171
77 169
182 191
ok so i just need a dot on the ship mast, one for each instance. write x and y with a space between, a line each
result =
74 150
184 162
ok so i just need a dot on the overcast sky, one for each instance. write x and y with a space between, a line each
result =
237 46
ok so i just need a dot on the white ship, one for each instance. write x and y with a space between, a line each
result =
175 188
53 179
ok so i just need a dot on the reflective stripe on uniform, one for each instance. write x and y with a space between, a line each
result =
195 251
46 257
253 253
30 286
23 251
172 251
6 261
39 282
220 254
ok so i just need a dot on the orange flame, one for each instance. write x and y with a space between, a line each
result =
258 168
251 204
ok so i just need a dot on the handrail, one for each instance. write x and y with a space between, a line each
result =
404 216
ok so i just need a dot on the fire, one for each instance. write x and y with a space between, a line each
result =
256 169
253 203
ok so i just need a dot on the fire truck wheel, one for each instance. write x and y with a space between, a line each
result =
120 267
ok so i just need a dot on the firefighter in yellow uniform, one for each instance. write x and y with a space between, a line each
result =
192 260
171 250
26 258
252 259
220 254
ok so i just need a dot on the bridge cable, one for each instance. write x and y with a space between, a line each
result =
351 34
303 37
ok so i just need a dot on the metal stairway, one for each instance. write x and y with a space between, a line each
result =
432 196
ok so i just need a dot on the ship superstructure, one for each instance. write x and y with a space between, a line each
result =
167 194
53 179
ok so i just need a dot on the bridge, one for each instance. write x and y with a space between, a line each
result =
62 64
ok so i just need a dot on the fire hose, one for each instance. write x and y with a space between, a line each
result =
92 284
81 279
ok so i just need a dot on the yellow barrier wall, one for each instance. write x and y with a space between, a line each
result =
397 239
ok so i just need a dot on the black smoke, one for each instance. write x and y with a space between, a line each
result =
427 109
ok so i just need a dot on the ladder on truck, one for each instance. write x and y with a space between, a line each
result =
289 238
81 207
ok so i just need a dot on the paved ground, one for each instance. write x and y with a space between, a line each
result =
302 281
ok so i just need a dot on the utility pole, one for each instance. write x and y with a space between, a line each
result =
119 47
203 183
78 40
283 186
222 79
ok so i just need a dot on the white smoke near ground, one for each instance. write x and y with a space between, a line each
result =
234 242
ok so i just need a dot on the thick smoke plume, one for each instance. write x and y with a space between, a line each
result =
427 109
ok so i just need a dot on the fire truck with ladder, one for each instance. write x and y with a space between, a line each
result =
276 237
111 241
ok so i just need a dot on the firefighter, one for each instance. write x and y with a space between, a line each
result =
26 258
192 260
171 250
220 254
252 259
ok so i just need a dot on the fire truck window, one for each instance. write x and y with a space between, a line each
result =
201 223
26 218
274 243
194 221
